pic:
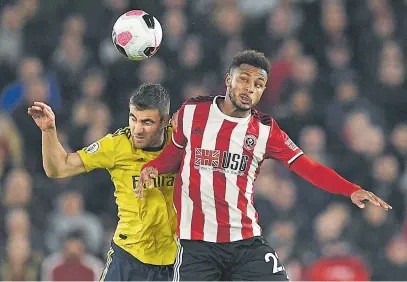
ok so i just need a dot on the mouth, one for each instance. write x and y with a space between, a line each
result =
245 99
138 138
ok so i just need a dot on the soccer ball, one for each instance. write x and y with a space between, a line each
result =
137 35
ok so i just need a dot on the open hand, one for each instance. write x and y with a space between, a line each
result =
358 196
43 116
147 174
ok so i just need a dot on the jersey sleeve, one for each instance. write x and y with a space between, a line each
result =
178 137
100 154
281 147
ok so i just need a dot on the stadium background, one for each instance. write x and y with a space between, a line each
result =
337 87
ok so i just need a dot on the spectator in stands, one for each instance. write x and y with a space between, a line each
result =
384 182
338 263
20 263
73 263
10 144
398 144
374 220
70 216
18 223
18 193
388 87
394 263
35 90
11 43
30 69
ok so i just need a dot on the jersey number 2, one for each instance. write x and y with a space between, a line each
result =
276 268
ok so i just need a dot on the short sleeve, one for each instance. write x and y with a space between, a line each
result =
178 137
100 154
281 147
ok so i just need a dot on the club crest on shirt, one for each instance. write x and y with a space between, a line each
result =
249 141
92 148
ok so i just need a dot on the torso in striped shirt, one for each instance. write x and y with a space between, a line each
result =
223 154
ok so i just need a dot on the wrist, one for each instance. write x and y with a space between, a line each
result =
150 165
50 130
354 189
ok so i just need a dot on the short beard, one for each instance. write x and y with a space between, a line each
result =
234 103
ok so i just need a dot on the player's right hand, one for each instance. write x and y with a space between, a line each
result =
147 175
43 116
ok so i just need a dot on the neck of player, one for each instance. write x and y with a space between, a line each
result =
227 107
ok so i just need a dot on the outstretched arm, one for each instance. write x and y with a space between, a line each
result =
327 179
56 161
282 148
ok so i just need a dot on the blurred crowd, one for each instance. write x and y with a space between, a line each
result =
337 87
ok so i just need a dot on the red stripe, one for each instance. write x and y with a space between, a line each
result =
219 183
242 203
256 215
179 137
178 132
198 219
255 177
177 195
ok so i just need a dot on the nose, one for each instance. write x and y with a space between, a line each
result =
249 88
138 129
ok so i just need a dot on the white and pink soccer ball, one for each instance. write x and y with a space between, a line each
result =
137 35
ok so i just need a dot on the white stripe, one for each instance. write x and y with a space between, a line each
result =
232 190
295 157
207 188
108 262
178 261
175 143
186 202
258 155
175 278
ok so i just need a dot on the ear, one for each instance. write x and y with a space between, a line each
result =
228 80
165 121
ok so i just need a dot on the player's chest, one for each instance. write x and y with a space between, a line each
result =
129 167
224 146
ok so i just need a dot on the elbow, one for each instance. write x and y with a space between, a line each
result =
53 174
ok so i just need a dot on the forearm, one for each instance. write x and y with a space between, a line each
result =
323 177
54 156
168 161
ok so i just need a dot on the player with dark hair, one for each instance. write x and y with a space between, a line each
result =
143 246
217 148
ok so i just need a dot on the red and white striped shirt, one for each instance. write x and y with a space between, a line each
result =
214 187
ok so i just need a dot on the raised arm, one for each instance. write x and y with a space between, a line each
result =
56 161
327 179
281 147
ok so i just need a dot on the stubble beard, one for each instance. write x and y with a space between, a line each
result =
235 103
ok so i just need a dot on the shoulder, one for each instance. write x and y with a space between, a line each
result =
52 260
121 133
121 139
199 100
111 141
263 118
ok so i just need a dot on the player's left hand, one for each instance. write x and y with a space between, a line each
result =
147 174
358 196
